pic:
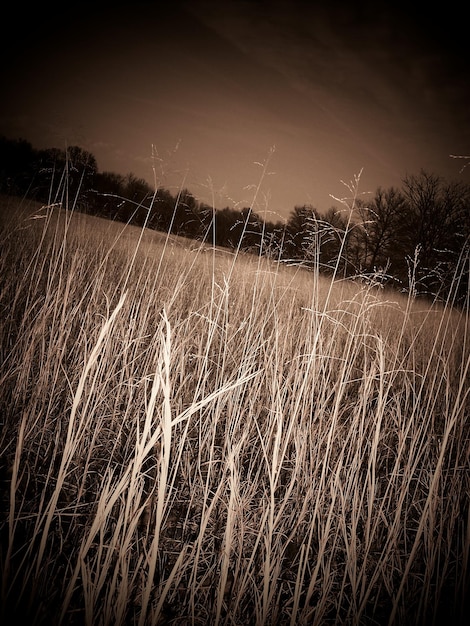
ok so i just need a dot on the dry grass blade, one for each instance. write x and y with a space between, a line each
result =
229 441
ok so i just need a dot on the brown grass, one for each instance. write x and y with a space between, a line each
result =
193 437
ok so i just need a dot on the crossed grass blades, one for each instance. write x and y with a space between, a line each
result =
190 436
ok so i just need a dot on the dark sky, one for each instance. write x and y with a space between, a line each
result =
201 91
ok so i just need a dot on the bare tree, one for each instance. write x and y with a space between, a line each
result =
437 222
382 220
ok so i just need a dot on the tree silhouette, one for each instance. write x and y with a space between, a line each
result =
162 210
301 230
335 242
428 219
221 224
380 233
437 223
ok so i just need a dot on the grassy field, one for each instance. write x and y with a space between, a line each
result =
192 436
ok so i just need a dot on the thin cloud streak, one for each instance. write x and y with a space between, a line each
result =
334 90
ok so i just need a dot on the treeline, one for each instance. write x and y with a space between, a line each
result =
417 235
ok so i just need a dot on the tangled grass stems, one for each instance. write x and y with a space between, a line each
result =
192 437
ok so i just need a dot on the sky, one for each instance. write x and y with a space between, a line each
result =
270 104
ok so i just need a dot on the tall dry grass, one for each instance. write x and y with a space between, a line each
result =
194 437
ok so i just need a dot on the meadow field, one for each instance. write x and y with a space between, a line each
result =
197 436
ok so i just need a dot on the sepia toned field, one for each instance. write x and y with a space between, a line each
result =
191 435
